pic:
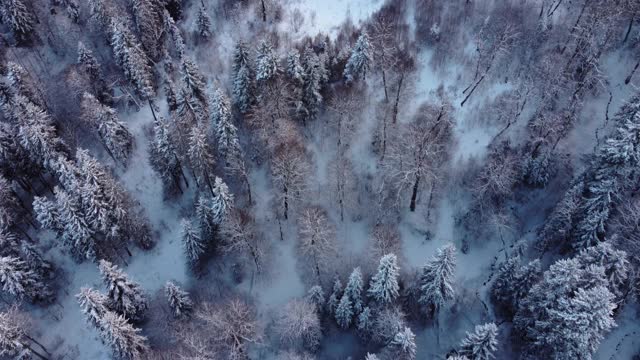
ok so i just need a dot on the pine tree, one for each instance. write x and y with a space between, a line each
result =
225 132
114 134
267 63
354 290
481 344
76 231
19 17
335 296
133 60
203 23
125 297
513 282
344 312
193 79
93 304
212 210
615 263
294 70
436 278
403 345
163 156
364 323
178 299
243 91
315 296
191 241
566 314
384 287
360 59
148 17
311 98
176 36
20 281
122 337
201 158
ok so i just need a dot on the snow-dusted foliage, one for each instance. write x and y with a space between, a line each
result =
403 345
19 17
513 282
360 60
384 287
266 62
243 85
203 23
178 299
299 324
94 305
436 280
131 57
481 343
317 239
123 338
191 241
125 296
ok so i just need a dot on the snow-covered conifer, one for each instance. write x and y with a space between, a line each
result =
266 62
125 296
615 263
212 210
360 59
192 78
513 282
93 304
354 290
311 97
13 338
294 70
124 339
23 84
148 17
364 323
384 287
203 23
344 312
201 158
370 356
163 156
76 232
178 299
114 134
315 296
481 343
131 57
89 61
243 91
20 281
436 279
403 345
334 298
191 241
19 17
225 132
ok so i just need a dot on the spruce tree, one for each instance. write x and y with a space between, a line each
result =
191 241
335 296
19 17
384 286
354 290
311 98
403 345
163 156
76 232
201 158
267 63
122 337
294 69
243 87
131 57
360 59
20 281
225 132
193 79
178 299
513 282
125 296
344 312
203 23
93 304
315 296
89 61
436 279
364 323
148 17
481 343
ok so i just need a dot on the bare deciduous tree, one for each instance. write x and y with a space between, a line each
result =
317 238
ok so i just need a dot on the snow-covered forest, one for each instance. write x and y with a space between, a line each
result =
319 179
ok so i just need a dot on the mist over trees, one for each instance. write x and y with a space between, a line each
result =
260 179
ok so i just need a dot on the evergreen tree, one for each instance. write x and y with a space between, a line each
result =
19 17
436 279
13 342
23 84
122 337
267 63
225 132
148 17
163 156
360 59
615 263
384 287
344 312
513 282
294 70
133 60
193 79
403 345
371 357
203 23
335 296
315 296
191 241
311 98
88 60
178 299
125 296
243 91
176 36
114 134
354 290
20 281
76 231
481 344
364 323
93 304
201 158
567 313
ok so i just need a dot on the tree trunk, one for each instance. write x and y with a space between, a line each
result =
264 12
628 79
38 343
286 202
575 26
472 90
395 105
246 181
414 195
433 186
384 85
626 36
36 353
